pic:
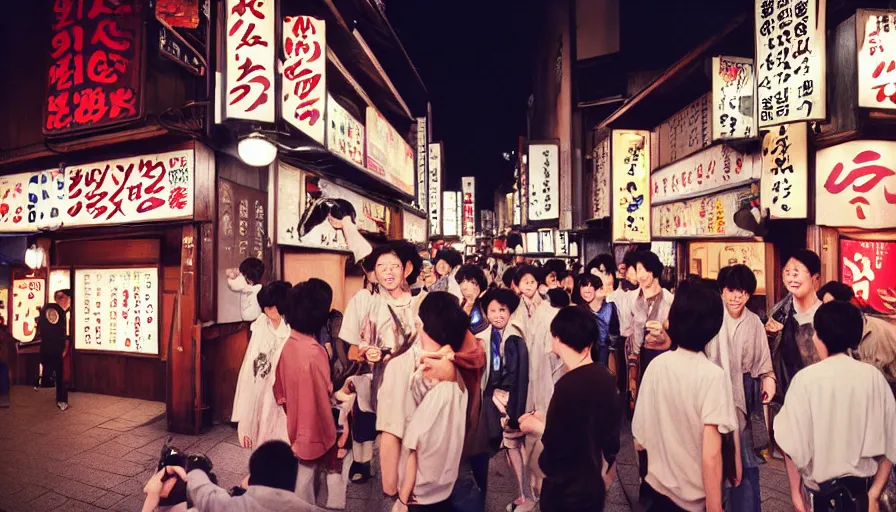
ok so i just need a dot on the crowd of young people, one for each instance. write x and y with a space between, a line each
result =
439 372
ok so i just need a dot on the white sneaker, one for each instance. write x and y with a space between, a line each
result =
62 405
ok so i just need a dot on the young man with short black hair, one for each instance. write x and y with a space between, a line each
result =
837 427
433 439
684 407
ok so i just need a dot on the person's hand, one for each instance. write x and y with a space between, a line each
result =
769 389
532 423
247 443
245 483
336 223
232 273
773 326
373 354
156 487
438 366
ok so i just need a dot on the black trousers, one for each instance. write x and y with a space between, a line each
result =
846 494
442 506
653 501
53 365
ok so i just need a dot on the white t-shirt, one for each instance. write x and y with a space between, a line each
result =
838 415
680 393
395 407
436 433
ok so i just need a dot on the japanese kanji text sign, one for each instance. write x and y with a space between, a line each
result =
345 134
414 228
117 310
876 58
434 201
704 217
870 268
389 156
716 168
790 56
687 132
422 146
450 215
785 171
28 295
468 188
630 157
855 184
96 65
733 102
249 73
305 74
543 180
600 189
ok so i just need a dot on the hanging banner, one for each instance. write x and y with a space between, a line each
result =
96 65
249 60
855 186
711 170
876 34
869 267
600 189
546 241
785 171
468 188
707 258
630 157
28 296
543 179
345 134
389 156
459 216
117 310
306 205
704 217
414 228
304 74
434 199
684 133
733 101
450 228
561 243
790 52
422 159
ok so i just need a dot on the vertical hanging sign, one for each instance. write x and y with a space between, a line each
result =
450 214
877 51
96 65
785 171
733 105
543 181
434 203
422 143
305 74
249 60
600 193
630 157
468 188
790 54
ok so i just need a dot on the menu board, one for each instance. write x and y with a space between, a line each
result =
716 168
117 310
242 233
869 267
704 217
687 132
28 296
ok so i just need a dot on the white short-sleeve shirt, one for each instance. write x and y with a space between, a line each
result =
436 433
680 393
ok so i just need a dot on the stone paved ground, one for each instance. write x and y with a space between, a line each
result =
98 455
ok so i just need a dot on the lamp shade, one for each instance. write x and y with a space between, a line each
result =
256 150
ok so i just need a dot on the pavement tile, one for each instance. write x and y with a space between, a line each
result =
134 441
227 457
46 501
112 449
142 458
80 506
119 425
129 487
89 476
129 504
19 499
108 464
76 490
109 499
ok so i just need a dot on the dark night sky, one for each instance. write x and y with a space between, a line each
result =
475 63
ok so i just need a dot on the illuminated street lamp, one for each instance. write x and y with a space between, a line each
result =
256 150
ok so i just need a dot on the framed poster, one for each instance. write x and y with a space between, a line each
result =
389 156
28 296
869 267
117 310
345 134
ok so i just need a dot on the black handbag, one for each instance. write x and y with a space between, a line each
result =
729 457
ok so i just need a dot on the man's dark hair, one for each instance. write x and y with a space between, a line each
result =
575 328
308 308
838 291
809 259
555 266
839 325
695 316
444 320
603 260
323 288
737 277
451 256
274 295
583 280
522 270
408 253
474 273
503 296
273 464
507 277
558 298
252 269
630 258
651 263
65 291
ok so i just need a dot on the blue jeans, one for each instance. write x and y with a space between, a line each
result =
603 354
745 497
468 494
